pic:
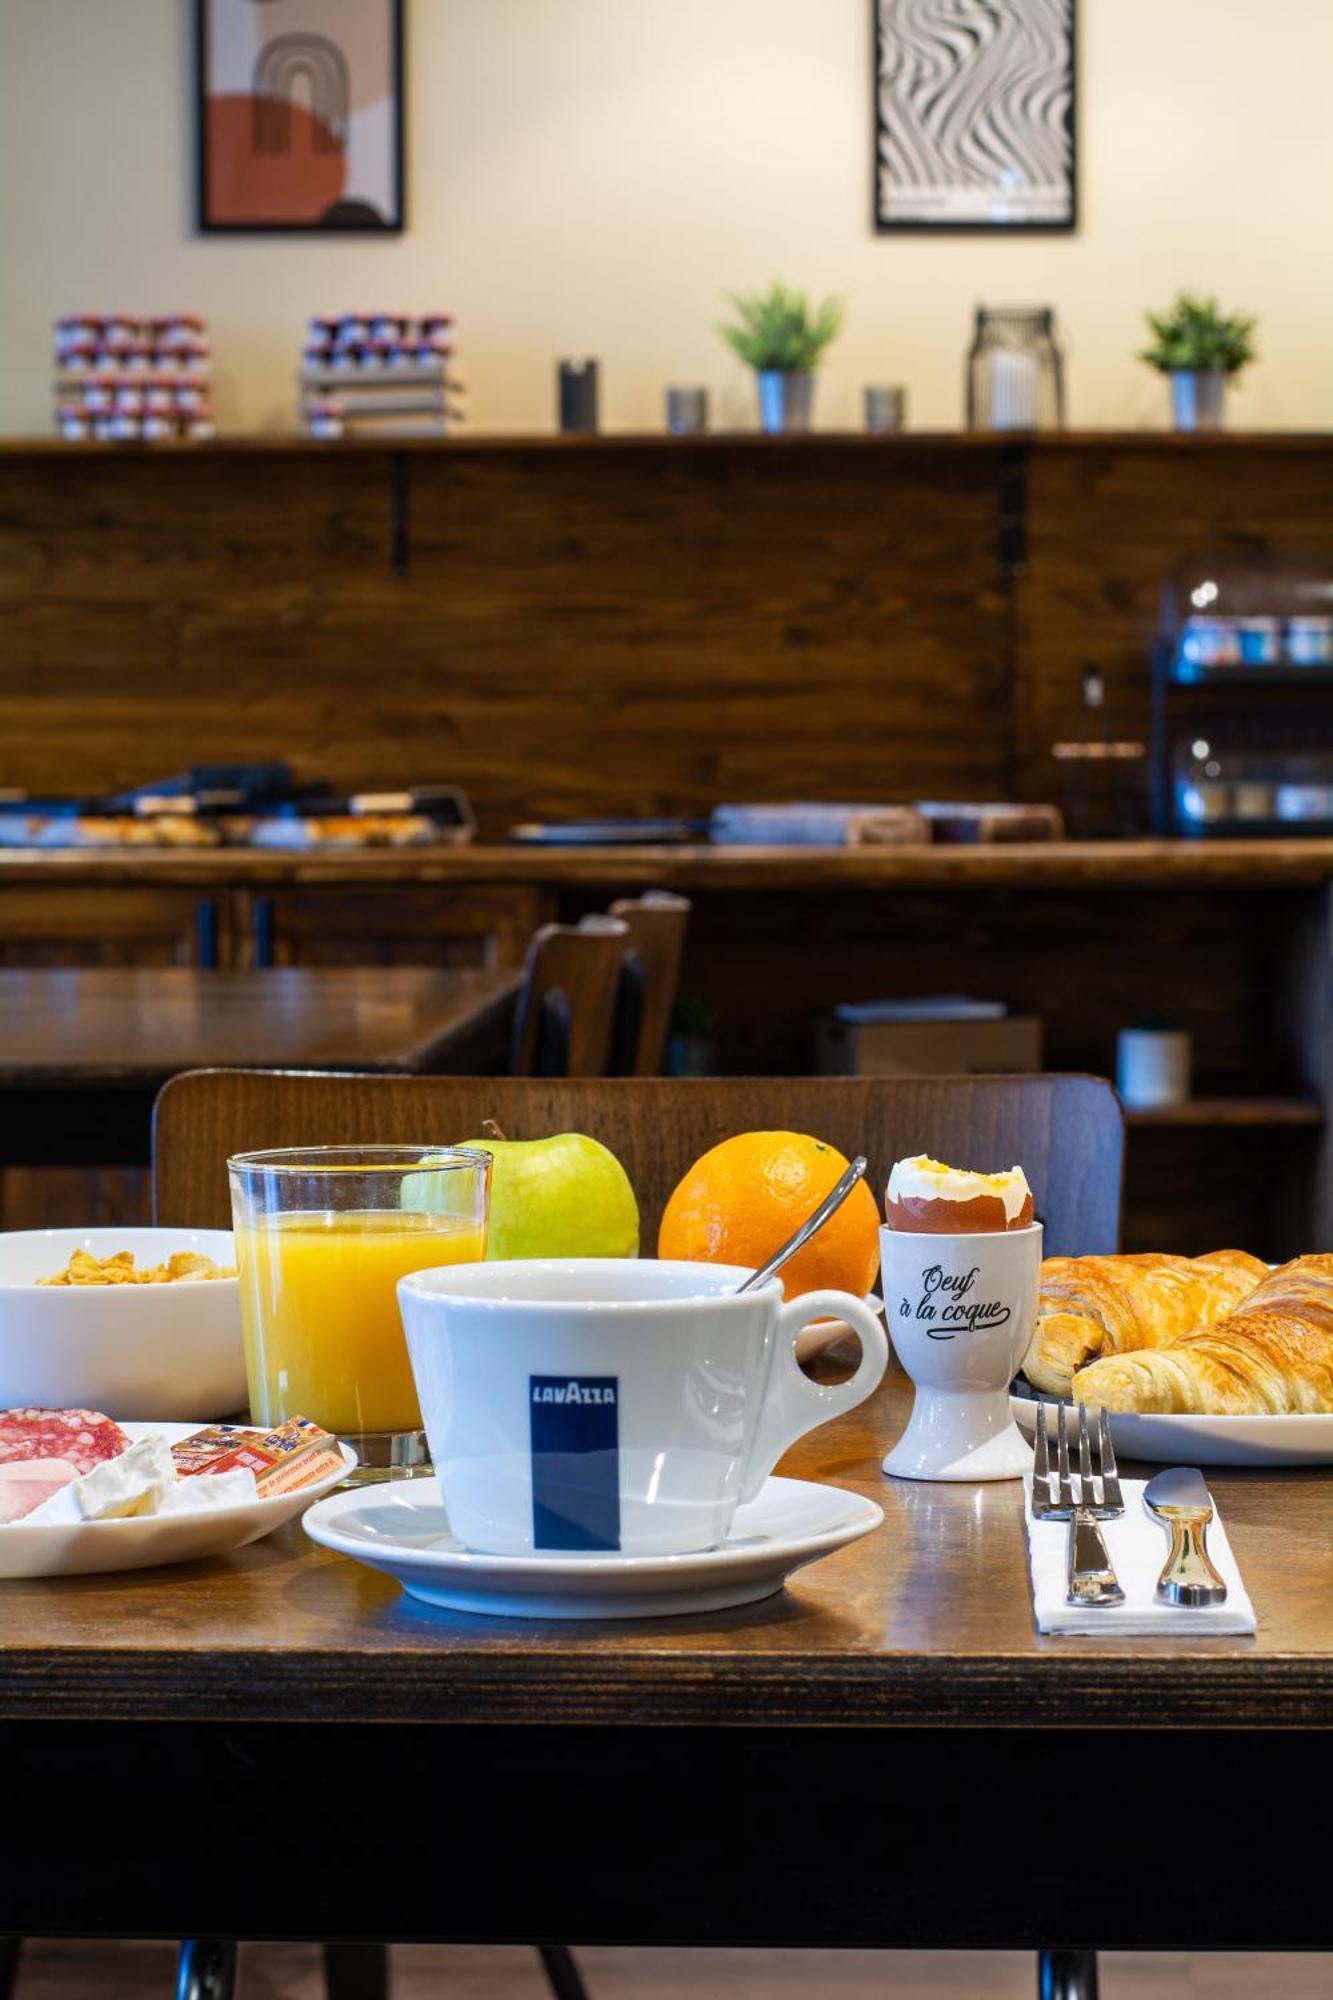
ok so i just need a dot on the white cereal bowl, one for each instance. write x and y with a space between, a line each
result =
155 1352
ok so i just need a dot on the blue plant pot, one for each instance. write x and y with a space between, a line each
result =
785 402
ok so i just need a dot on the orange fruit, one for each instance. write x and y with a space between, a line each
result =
745 1197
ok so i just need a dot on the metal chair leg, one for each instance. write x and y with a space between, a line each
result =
562 1974
206 1969
10 1947
356 1971
1067 1975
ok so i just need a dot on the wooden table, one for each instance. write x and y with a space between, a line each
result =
84 1051
855 1762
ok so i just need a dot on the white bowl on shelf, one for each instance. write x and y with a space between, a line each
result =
155 1352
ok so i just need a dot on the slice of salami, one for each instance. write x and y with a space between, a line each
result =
83 1438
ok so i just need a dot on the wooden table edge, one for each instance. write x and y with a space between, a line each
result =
1110 1691
495 1009
473 1024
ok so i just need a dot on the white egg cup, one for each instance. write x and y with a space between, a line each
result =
960 1311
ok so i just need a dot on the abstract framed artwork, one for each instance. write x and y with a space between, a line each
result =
975 123
300 115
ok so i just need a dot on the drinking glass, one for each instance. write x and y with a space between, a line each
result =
686 411
885 408
323 1234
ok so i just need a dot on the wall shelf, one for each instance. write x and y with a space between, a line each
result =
906 443
1208 1113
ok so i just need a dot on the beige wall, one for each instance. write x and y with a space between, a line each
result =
590 175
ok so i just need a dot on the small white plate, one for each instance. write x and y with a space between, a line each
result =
403 1530
147 1541
1254 1441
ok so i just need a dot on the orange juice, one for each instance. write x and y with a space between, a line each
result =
319 1305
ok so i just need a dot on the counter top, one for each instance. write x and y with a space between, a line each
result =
1161 864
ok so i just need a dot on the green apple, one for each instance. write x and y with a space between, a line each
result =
561 1197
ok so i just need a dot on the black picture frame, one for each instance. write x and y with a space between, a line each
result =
880 13
205 226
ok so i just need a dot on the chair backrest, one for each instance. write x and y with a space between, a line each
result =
1067 1132
566 1011
648 980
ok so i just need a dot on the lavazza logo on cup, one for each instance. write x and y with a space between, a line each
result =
575 1443
588 1406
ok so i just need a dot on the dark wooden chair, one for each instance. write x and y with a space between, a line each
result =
1067 1132
565 1018
649 976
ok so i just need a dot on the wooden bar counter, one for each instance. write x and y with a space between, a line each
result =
648 626
1232 938
700 869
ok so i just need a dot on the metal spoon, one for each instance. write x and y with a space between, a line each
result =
835 1197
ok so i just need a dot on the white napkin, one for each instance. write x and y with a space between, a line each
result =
1138 1546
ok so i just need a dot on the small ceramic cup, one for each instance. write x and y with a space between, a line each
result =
961 1311
1152 1066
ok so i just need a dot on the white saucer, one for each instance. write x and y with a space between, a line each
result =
149 1540
403 1530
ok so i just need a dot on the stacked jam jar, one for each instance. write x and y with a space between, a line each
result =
121 379
377 373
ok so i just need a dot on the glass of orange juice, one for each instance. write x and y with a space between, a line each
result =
323 1235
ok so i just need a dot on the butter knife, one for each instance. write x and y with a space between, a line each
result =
1180 1500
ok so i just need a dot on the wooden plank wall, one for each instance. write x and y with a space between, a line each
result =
604 628
618 631
1106 521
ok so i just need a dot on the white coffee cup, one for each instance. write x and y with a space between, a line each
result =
961 1310
599 1405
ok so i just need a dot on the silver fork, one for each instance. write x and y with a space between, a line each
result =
1092 1580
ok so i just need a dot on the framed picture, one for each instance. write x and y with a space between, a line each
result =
300 114
975 114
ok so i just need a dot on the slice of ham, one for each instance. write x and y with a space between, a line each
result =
26 1482
84 1438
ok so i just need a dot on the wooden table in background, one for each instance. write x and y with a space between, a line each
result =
885 1754
83 1052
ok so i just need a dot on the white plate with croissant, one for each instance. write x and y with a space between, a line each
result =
1215 1360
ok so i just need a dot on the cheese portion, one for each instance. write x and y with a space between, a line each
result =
236 1488
132 1484
924 1179
142 1481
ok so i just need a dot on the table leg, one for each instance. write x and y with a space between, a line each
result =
10 1947
562 1974
1067 1975
206 1969
356 1971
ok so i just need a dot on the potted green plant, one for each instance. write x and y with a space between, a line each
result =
781 336
1201 350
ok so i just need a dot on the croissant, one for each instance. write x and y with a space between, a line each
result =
1090 1306
1272 1356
